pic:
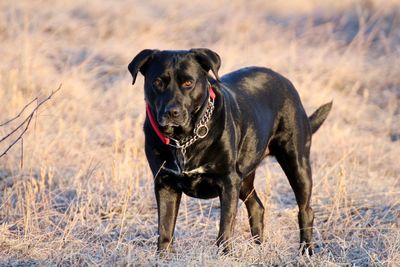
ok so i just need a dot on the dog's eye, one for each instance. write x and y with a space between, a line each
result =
187 84
158 83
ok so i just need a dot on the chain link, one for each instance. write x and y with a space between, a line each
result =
188 141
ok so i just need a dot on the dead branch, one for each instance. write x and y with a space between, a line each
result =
29 119
19 114
25 122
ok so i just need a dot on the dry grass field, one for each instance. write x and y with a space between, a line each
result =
84 195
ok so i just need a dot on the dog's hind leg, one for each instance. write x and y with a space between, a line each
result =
293 156
255 208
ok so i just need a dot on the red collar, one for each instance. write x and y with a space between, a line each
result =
154 124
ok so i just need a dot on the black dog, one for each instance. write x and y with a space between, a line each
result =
205 137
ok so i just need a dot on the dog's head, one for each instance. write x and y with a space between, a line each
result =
176 84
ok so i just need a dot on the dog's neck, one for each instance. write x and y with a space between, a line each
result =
199 118
203 127
195 129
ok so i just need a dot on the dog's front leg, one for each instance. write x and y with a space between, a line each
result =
168 200
229 197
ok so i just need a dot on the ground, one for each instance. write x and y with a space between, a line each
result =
84 192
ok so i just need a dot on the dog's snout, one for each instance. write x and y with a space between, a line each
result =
173 115
173 111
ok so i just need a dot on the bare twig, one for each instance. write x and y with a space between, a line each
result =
18 127
20 136
26 122
19 114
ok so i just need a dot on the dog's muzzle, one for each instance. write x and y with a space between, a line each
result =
173 116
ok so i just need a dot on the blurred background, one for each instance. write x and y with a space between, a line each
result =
84 195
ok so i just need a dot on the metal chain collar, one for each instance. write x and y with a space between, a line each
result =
200 130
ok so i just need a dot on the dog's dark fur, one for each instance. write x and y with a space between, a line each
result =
257 113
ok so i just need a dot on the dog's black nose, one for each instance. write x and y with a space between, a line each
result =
173 111
173 115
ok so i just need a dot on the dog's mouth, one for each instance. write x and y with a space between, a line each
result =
172 130
173 119
168 130
178 122
165 124
172 127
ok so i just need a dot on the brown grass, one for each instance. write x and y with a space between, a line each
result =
85 197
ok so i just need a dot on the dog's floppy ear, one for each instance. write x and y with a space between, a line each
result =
208 60
138 62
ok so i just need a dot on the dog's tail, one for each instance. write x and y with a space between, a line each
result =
319 116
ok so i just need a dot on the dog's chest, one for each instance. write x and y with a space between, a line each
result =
195 181
187 165
196 171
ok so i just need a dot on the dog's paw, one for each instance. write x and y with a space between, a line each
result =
306 249
166 253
